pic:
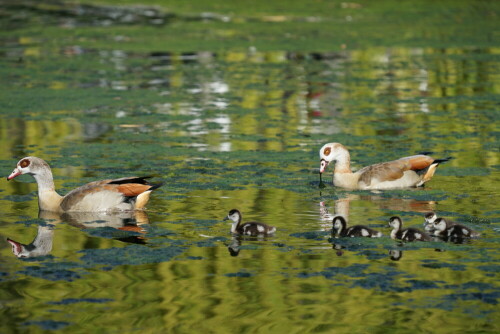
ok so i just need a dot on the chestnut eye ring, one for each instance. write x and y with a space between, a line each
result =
24 163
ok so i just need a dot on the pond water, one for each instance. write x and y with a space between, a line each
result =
229 107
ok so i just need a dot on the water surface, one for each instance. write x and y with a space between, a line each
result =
229 106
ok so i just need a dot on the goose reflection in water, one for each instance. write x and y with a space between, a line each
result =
42 244
342 206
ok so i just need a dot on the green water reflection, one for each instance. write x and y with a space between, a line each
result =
230 110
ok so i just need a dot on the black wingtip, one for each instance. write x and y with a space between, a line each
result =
426 152
156 185
440 161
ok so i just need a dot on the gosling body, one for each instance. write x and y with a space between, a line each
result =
340 229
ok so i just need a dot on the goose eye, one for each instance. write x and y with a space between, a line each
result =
24 163
327 151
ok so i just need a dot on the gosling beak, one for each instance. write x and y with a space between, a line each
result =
322 166
14 173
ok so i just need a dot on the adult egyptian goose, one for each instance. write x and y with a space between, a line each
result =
411 171
125 194
340 229
408 234
250 228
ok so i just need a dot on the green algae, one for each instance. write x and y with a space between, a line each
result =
229 109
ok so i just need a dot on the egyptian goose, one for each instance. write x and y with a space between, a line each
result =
408 234
411 171
340 229
250 228
125 194
452 231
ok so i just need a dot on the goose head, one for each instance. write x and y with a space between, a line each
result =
29 165
328 153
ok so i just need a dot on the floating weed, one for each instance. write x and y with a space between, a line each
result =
3 276
355 270
69 301
53 271
210 242
462 171
129 255
311 235
449 301
202 224
433 264
110 233
20 198
242 274
33 221
489 268
48 325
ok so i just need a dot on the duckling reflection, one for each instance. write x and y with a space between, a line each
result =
342 206
43 241
234 246
395 254
338 249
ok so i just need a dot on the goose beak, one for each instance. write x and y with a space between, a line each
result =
225 218
16 246
322 166
14 173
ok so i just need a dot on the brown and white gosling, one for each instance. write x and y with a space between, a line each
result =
408 234
340 229
250 228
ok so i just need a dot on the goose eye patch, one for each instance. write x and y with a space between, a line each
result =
24 163
327 151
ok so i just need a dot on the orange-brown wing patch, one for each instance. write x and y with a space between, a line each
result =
417 162
132 189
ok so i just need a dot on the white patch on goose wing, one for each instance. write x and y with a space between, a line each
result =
260 228
418 236
100 201
365 233
465 232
